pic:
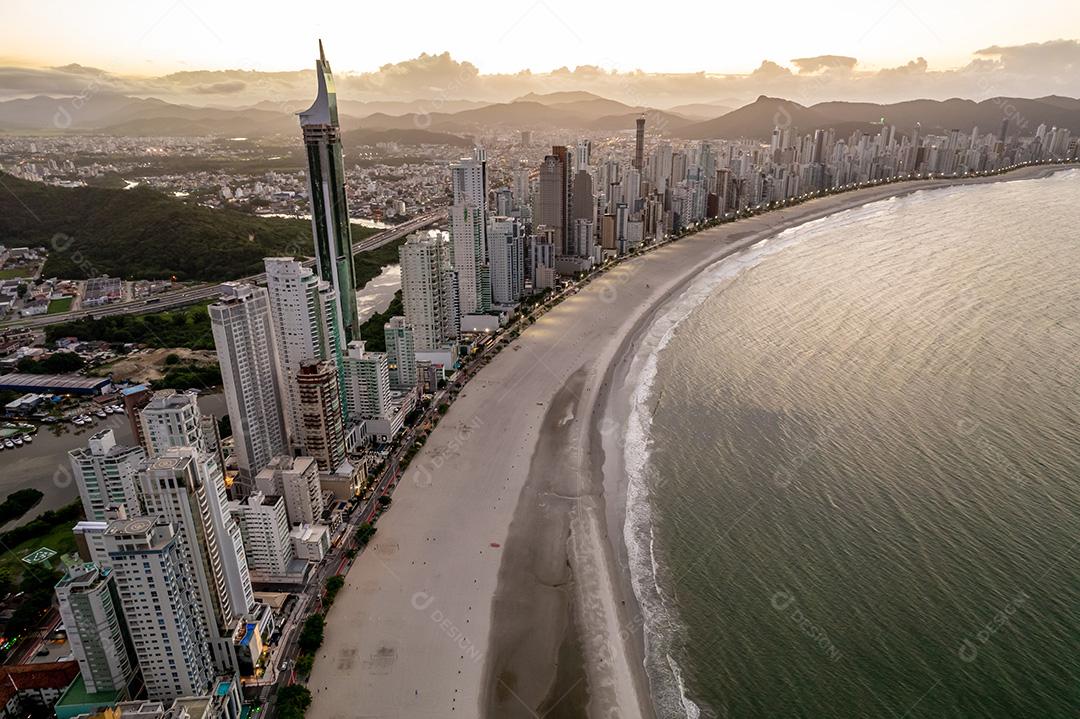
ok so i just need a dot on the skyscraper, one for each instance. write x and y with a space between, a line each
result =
165 626
554 197
172 419
326 191
90 609
639 144
105 474
400 353
185 488
296 479
468 232
307 329
318 409
429 290
244 338
507 239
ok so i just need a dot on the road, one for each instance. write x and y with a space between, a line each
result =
201 293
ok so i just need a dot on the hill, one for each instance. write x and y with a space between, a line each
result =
402 136
758 119
141 233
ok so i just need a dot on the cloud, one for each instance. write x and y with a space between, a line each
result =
826 63
1030 70
229 87
1055 56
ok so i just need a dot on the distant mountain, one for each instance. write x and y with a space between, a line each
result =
936 115
656 122
758 119
408 136
555 98
700 110
141 233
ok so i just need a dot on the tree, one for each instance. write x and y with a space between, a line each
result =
333 586
384 500
293 701
311 635
304 664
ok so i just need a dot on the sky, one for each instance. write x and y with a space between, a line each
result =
155 38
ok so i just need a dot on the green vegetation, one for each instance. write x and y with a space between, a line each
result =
304 664
333 586
372 330
143 234
59 306
369 265
181 377
18 503
56 363
50 529
292 701
364 533
311 634
187 327
14 273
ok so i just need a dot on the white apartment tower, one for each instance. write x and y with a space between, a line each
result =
507 250
303 309
163 620
367 383
105 473
186 488
429 290
400 353
468 232
172 419
244 337
91 611
297 480
265 528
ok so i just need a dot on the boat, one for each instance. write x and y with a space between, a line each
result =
18 441
27 438
9 444
100 414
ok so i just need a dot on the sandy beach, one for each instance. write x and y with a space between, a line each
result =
496 583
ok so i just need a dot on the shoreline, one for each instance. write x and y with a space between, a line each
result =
458 609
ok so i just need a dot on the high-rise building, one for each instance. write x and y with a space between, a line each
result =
468 234
264 526
367 383
91 611
105 474
468 228
163 619
307 329
244 337
297 480
507 240
554 196
429 290
186 488
326 192
318 409
639 144
400 353
172 419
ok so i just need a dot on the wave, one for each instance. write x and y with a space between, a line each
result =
662 626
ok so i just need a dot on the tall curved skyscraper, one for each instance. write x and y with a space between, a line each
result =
326 190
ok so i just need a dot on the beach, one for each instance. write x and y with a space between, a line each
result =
496 584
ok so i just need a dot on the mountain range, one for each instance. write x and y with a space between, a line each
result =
421 122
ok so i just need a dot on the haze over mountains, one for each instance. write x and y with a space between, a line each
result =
413 123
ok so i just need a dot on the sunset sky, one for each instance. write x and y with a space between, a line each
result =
152 38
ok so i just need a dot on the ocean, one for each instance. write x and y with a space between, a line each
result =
854 466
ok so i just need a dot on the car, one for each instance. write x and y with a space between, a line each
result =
43 652
285 665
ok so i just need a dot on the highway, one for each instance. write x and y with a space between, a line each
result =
203 292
